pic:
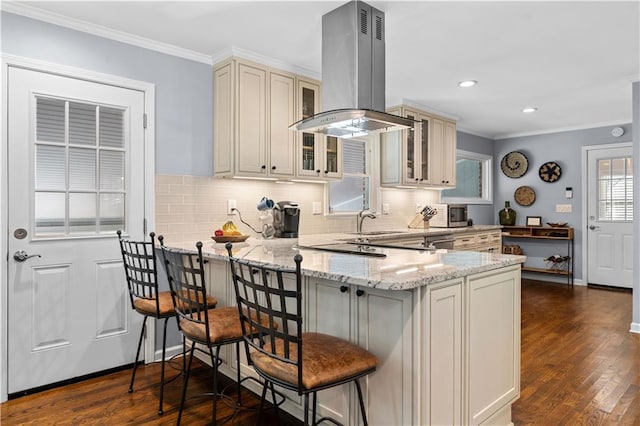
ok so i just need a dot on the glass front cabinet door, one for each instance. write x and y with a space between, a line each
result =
319 156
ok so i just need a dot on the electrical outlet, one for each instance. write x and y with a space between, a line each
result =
316 207
231 204
563 208
385 208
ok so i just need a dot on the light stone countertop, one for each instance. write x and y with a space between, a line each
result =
399 270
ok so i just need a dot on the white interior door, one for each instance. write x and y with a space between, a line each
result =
76 175
609 217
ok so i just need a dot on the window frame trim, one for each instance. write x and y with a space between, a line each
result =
487 180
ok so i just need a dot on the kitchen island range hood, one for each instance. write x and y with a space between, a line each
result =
353 76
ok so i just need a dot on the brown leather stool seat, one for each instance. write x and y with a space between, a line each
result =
325 360
280 352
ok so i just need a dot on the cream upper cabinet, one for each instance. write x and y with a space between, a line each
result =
253 108
421 157
319 157
282 112
443 153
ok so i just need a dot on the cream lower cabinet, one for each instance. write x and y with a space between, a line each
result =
492 342
449 352
379 321
442 343
485 241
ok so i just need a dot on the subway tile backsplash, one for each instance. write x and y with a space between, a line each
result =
190 208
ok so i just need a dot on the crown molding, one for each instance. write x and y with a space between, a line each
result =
634 78
563 129
265 60
32 12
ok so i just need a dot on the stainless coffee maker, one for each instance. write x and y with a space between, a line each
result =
286 219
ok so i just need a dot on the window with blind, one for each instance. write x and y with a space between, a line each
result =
351 194
79 168
615 189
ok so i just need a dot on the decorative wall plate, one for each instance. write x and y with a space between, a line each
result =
525 195
514 164
550 171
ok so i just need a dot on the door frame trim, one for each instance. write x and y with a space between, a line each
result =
584 182
148 89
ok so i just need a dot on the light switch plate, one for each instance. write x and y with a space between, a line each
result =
385 208
316 207
563 208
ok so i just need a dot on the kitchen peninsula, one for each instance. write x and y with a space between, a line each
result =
445 325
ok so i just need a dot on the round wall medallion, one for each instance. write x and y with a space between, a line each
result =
550 171
514 164
525 195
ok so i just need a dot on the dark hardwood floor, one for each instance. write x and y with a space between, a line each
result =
580 366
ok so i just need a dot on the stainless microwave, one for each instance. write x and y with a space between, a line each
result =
449 216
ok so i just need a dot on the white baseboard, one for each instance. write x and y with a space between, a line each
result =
171 351
635 327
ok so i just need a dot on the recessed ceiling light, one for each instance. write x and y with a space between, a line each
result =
467 83
529 109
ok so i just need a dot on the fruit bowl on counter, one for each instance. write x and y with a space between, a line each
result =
229 238
229 233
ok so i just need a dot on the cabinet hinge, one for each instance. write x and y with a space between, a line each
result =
144 120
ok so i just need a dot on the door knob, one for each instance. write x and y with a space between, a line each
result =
21 256
593 227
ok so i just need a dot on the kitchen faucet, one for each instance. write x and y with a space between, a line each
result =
360 219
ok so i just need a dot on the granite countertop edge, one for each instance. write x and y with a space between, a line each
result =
400 270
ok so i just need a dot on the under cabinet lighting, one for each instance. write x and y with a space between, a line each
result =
468 83
528 110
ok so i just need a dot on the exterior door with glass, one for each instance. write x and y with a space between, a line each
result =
76 175
609 216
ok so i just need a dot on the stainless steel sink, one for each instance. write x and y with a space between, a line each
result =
346 248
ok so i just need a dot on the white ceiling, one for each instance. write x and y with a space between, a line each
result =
572 60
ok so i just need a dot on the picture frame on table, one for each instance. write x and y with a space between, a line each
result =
534 220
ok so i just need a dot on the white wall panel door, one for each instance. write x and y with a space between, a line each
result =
76 175
609 217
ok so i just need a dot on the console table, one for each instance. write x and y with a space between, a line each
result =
552 234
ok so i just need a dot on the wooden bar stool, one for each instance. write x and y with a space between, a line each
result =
139 261
270 302
197 319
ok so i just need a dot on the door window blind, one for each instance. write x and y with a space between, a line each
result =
79 168
615 189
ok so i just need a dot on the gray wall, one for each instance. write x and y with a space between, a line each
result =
184 88
565 149
482 214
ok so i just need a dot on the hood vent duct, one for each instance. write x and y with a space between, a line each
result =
353 75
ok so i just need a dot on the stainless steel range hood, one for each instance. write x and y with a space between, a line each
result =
353 75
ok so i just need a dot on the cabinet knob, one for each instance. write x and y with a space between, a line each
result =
273 167
343 289
318 171
326 172
359 292
264 167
